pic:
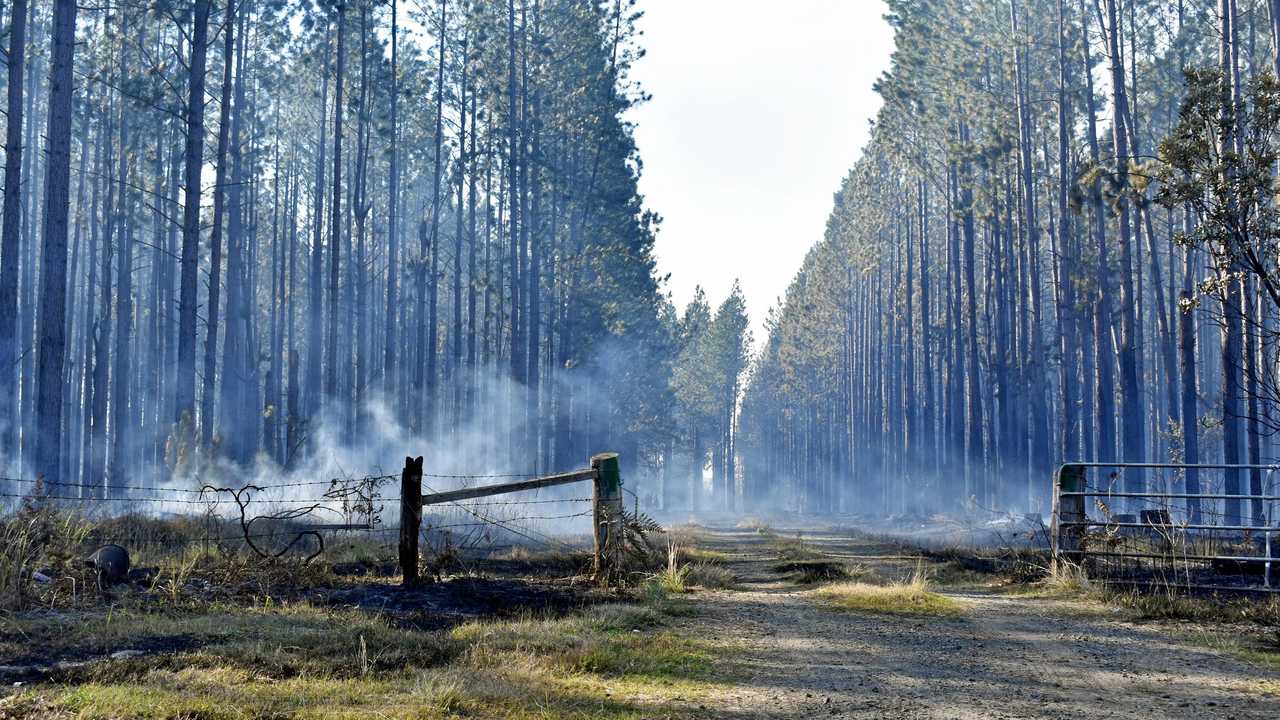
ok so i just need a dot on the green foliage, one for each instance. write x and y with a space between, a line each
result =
1220 159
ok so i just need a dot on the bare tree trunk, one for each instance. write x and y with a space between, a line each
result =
10 235
315 311
393 228
53 266
433 403
185 377
335 209
209 395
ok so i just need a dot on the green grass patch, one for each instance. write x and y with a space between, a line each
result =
609 661
1259 651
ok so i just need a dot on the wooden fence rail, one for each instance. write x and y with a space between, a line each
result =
607 525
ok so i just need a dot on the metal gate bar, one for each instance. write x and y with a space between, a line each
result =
1070 521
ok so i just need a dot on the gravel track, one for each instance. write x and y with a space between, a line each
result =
1004 657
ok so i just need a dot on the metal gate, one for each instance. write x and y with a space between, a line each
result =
1148 530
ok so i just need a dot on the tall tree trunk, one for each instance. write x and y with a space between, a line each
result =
430 328
238 416
12 229
335 209
185 375
53 266
1133 423
976 448
208 397
1232 352
455 349
1065 253
315 311
124 298
393 228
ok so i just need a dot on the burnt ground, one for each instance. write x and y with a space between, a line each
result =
440 605
42 648
1003 657
785 653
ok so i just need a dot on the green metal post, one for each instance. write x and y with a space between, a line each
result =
607 526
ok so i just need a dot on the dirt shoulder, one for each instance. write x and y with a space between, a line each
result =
1003 657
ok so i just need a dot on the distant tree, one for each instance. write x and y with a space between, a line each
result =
10 235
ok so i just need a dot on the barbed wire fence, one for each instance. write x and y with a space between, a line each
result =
295 518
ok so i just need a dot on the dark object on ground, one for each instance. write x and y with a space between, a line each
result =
143 575
111 563
453 601
809 572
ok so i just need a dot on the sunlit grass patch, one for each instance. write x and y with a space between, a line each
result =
609 661
1063 581
278 641
1264 653
912 597
695 554
793 548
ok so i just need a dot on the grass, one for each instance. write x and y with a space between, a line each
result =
910 597
791 548
711 576
1254 650
692 554
254 646
812 572
610 661
673 577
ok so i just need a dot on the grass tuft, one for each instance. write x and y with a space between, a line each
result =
912 597
711 576
813 572
673 579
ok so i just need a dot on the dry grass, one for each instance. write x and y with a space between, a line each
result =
793 548
612 661
813 572
1254 648
39 537
673 578
711 576
910 597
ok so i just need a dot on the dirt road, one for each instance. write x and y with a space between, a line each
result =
1004 657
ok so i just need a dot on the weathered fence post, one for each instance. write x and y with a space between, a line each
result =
1068 509
607 515
410 519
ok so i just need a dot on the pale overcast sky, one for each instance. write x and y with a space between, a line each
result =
759 108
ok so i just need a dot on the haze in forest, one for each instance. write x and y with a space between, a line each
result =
790 82
484 244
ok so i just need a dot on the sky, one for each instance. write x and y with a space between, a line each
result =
759 108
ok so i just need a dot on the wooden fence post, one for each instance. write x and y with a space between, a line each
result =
1068 509
410 519
607 516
